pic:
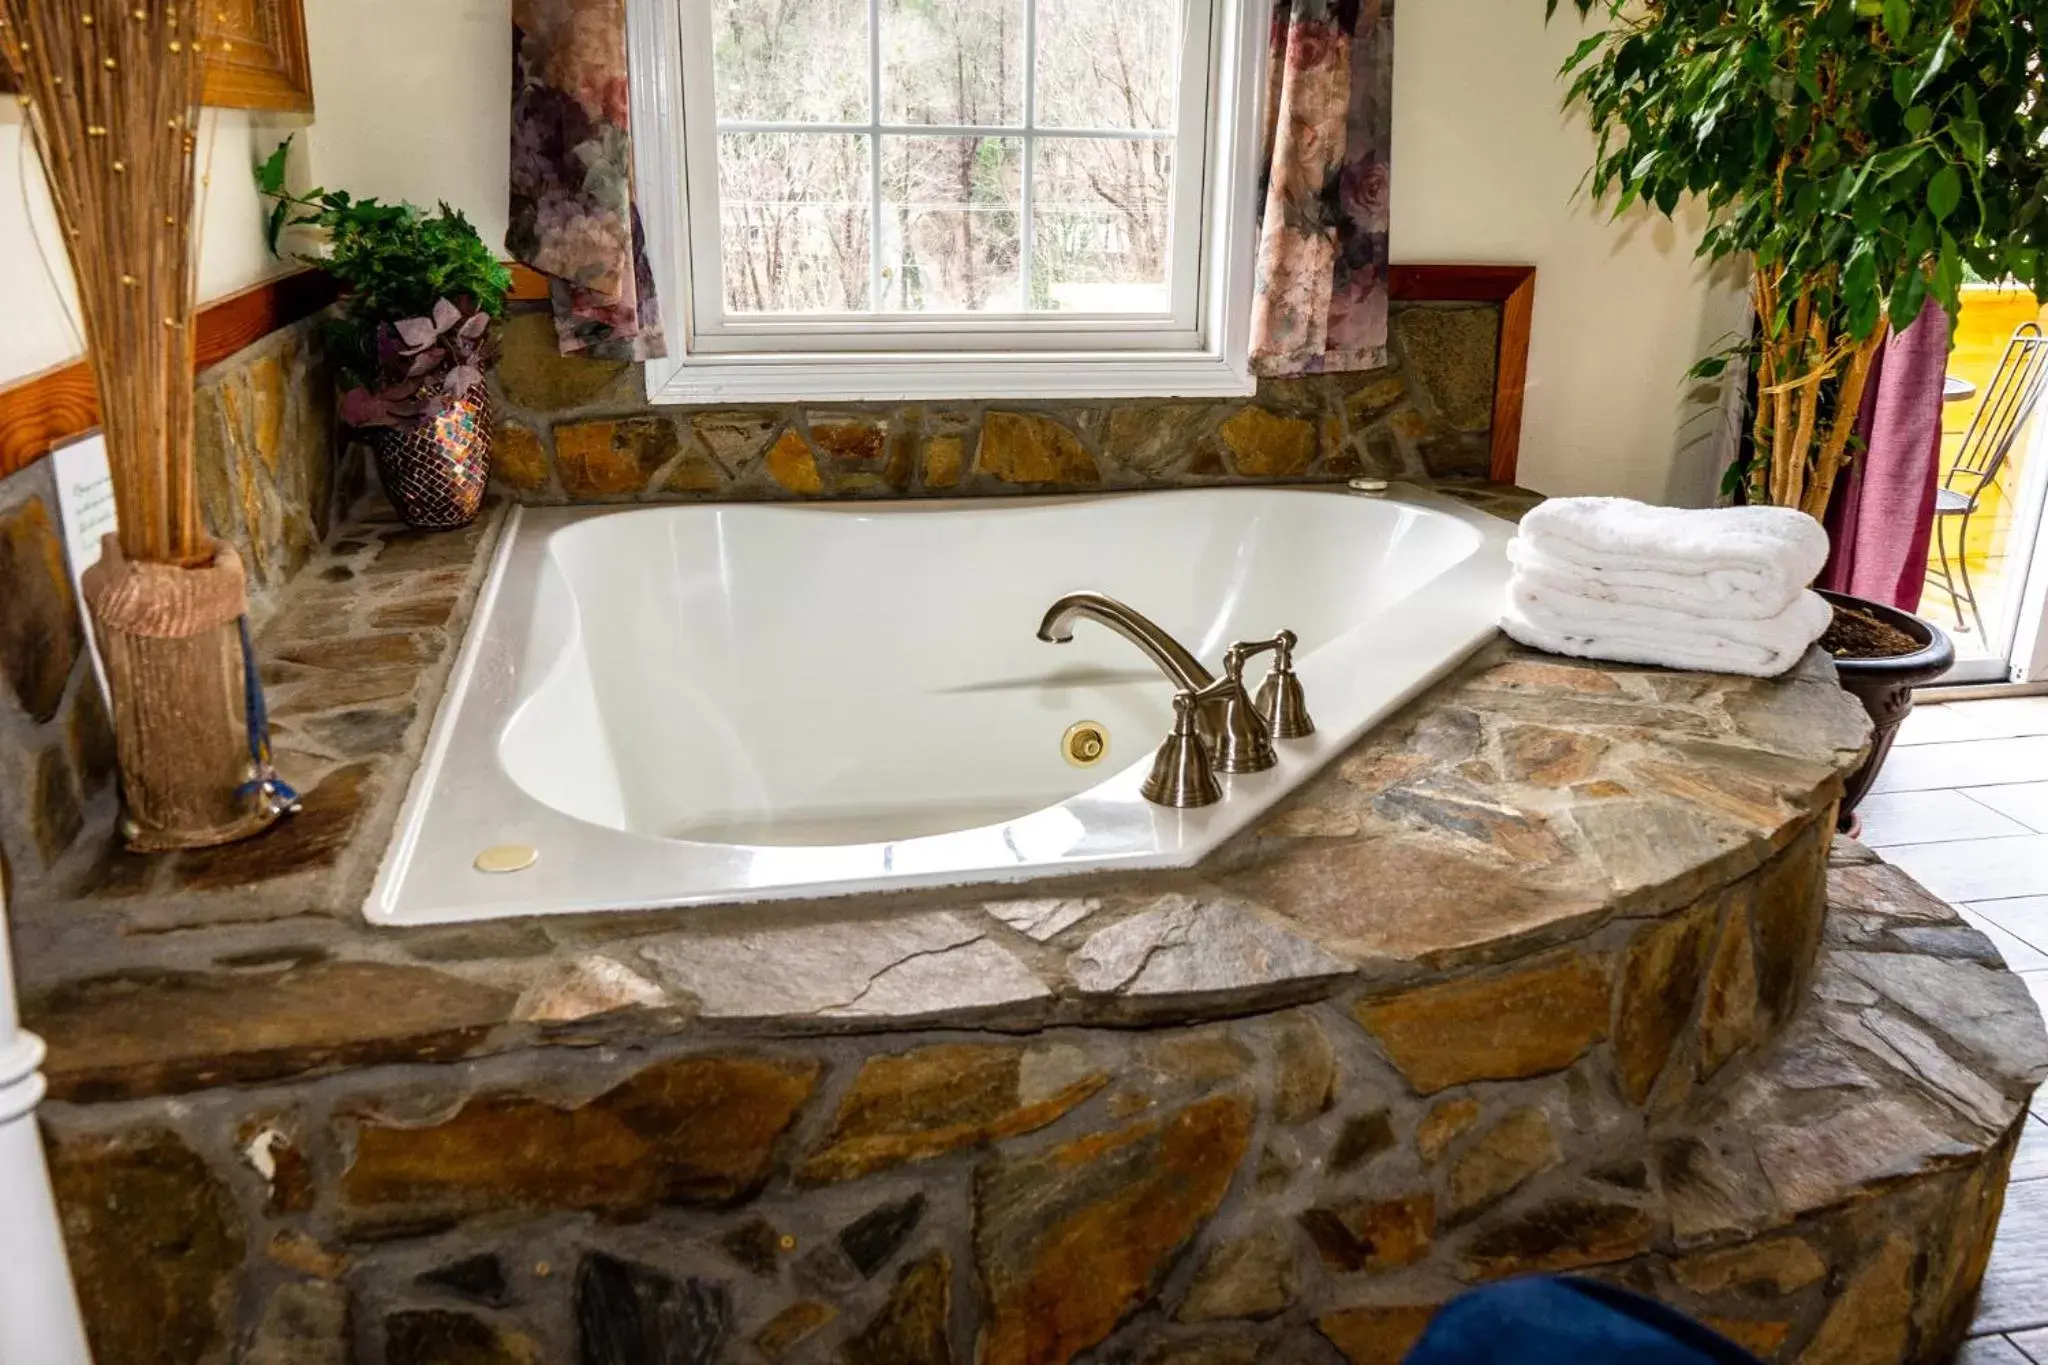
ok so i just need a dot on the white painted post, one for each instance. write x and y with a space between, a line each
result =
39 1318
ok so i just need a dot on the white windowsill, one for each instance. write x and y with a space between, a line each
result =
868 377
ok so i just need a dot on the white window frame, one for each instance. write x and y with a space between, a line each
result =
1201 350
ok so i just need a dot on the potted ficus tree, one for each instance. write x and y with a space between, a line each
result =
411 338
1855 157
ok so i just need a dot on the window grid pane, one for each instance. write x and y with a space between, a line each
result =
1027 215
1112 222
875 292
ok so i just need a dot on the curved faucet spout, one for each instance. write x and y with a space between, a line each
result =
1183 668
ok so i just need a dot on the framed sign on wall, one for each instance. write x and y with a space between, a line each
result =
259 59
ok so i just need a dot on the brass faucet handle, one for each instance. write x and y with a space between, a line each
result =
1280 646
1281 701
1238 740
1182 777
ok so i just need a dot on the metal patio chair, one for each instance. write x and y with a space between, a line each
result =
2007 403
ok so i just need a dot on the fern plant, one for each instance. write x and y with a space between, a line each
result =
1859 155
403 274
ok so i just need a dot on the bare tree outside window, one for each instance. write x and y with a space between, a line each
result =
1044 184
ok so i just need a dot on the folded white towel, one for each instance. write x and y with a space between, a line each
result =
1724 551
1720 594
1589 629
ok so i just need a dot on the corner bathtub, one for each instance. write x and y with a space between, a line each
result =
691 705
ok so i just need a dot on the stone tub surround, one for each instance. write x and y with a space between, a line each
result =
1270 1187
1522 804
577 430
1536 976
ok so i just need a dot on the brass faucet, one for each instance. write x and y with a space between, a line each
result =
1217 726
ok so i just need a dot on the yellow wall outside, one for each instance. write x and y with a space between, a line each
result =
1989 315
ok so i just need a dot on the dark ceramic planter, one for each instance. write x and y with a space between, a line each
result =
1885 686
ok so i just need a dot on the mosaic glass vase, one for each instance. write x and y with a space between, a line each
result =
435 473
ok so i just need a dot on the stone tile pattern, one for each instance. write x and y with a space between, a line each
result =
56 742
271 480
577 430
1628 858
264 428
1527 814
1270 1187
353 657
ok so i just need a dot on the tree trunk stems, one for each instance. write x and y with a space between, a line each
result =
1847 408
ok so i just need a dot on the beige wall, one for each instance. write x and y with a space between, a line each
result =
412 99
414 102
1485 170
38 315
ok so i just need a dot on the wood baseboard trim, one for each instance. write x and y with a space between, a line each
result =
45 410
1513 287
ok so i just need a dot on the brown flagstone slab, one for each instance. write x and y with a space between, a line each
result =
1373 1234
1566 1233
130 1035
1251 1277
1728 1015
1441 1126
913 1327
1499 1161
1660 982
917 1105
1378 1335
694 1130
1869 1320
1070 1240
154 1241
40 634
1494 1025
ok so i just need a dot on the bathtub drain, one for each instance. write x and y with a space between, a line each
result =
1085 744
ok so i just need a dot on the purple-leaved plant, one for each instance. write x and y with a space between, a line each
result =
423 365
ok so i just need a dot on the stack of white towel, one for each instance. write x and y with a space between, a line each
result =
1722 590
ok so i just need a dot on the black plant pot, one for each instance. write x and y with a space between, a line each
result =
1885 686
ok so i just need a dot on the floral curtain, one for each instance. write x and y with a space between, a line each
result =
1321 301
572 213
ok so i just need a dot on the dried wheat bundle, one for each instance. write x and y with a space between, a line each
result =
110 90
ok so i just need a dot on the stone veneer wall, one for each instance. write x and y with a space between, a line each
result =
265 444
1535 977
1300 1186
56 741
582 431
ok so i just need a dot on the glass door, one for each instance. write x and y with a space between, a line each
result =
1987 579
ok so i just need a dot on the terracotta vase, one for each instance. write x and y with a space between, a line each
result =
435 473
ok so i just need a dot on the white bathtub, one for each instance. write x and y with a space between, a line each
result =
704 704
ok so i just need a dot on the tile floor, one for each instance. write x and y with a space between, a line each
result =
1962 805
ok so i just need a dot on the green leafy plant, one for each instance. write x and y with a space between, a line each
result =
1859 155
403 274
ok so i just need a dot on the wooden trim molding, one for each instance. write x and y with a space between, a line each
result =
1513 287
48 409
528 284
261 61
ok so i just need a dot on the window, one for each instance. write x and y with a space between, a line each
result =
948 198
